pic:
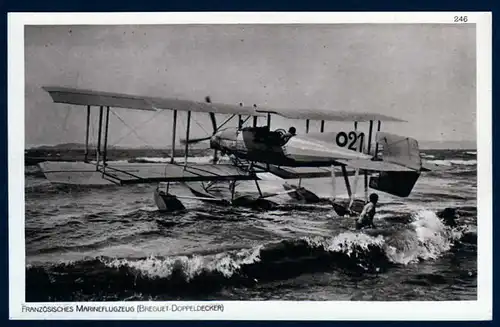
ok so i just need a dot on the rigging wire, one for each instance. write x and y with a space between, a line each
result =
197 123
132 129
65 120
66 116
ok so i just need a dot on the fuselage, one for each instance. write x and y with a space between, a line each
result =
261 145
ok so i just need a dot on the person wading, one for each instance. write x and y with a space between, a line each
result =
366 217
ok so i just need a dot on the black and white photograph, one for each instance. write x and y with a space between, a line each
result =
250 162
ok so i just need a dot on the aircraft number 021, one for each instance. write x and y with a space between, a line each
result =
350 140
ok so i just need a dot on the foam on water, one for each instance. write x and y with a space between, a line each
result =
456 162
189 266
427 238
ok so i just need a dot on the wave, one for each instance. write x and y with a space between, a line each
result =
454 162
427 156
464 172
46 188
364 252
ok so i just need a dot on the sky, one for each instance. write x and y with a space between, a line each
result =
422 73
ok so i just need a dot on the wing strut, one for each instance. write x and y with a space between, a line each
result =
174 126
369 151
214 122
87 135
98 152
187 138
376 144
106 138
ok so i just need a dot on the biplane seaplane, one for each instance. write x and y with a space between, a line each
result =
389 163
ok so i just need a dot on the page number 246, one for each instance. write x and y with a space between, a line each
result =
460 19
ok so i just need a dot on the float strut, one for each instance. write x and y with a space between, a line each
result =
258 187
232 185
346 179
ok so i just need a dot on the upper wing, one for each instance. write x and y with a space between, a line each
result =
330 115
94 98
127 101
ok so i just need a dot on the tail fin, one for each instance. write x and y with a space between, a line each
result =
402 151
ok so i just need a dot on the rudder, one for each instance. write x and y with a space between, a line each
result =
402 151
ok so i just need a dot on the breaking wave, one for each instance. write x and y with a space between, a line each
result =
454 162
425 238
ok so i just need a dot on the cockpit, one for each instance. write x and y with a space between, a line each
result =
278 137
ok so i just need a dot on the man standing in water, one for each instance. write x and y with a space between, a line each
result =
366 217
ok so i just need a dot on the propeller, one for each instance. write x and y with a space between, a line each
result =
214 127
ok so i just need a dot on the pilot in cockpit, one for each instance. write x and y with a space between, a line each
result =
291 132
284 137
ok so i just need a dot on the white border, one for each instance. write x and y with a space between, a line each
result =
252 310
